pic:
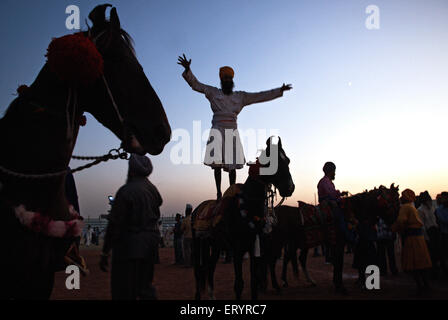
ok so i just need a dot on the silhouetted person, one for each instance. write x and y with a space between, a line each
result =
226 104
365 253
415 257
328 193
188 236
178 239
386 248
442 218
133 234
431 231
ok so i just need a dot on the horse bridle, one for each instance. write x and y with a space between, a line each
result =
72 99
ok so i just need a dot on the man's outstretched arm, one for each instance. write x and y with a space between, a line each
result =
256 97
189 76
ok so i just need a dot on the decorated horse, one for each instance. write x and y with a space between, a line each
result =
95 71
307 226
239 221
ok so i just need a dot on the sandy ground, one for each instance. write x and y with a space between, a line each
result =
177 282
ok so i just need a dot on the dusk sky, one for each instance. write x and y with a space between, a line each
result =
372 101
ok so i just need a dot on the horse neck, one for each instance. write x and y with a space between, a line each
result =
254 188
366 206
36 143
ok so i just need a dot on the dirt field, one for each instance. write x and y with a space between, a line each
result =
176 282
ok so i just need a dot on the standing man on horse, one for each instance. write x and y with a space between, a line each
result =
224 149
327 193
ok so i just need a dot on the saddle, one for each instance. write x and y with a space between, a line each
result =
318 224
210 212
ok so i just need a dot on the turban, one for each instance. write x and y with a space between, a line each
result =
408 195
328 167
139 165
226 71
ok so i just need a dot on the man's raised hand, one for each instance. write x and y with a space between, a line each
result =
184 62
286 87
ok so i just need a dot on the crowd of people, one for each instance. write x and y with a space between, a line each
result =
92 236
133 232
421 229
133 235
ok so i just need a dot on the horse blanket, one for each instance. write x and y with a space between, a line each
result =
210 212
318 224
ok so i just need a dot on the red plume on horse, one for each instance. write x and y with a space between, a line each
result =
74 59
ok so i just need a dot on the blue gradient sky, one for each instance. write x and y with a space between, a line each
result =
372 101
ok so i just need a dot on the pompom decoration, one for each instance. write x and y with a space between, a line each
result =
52 228
75 59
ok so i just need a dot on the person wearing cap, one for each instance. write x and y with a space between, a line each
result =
226 104
328 194
415 257
442 218
133 234
188 236
431 232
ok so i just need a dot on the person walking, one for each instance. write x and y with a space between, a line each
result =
414 254
226 104
132 234
187 236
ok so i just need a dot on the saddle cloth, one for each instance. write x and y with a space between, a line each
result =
210 212
318 224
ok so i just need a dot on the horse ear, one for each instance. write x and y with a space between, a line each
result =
114 20
98 14
268 146
268 142
279 143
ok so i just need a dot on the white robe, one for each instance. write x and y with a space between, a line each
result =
220 151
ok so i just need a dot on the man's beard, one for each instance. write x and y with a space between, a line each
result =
227 87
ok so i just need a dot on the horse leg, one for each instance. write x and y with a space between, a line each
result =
253 276
211 269
302 258
197 266
294 264
285 266
262 273
272 265
238 269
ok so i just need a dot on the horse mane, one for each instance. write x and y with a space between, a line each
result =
128 40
